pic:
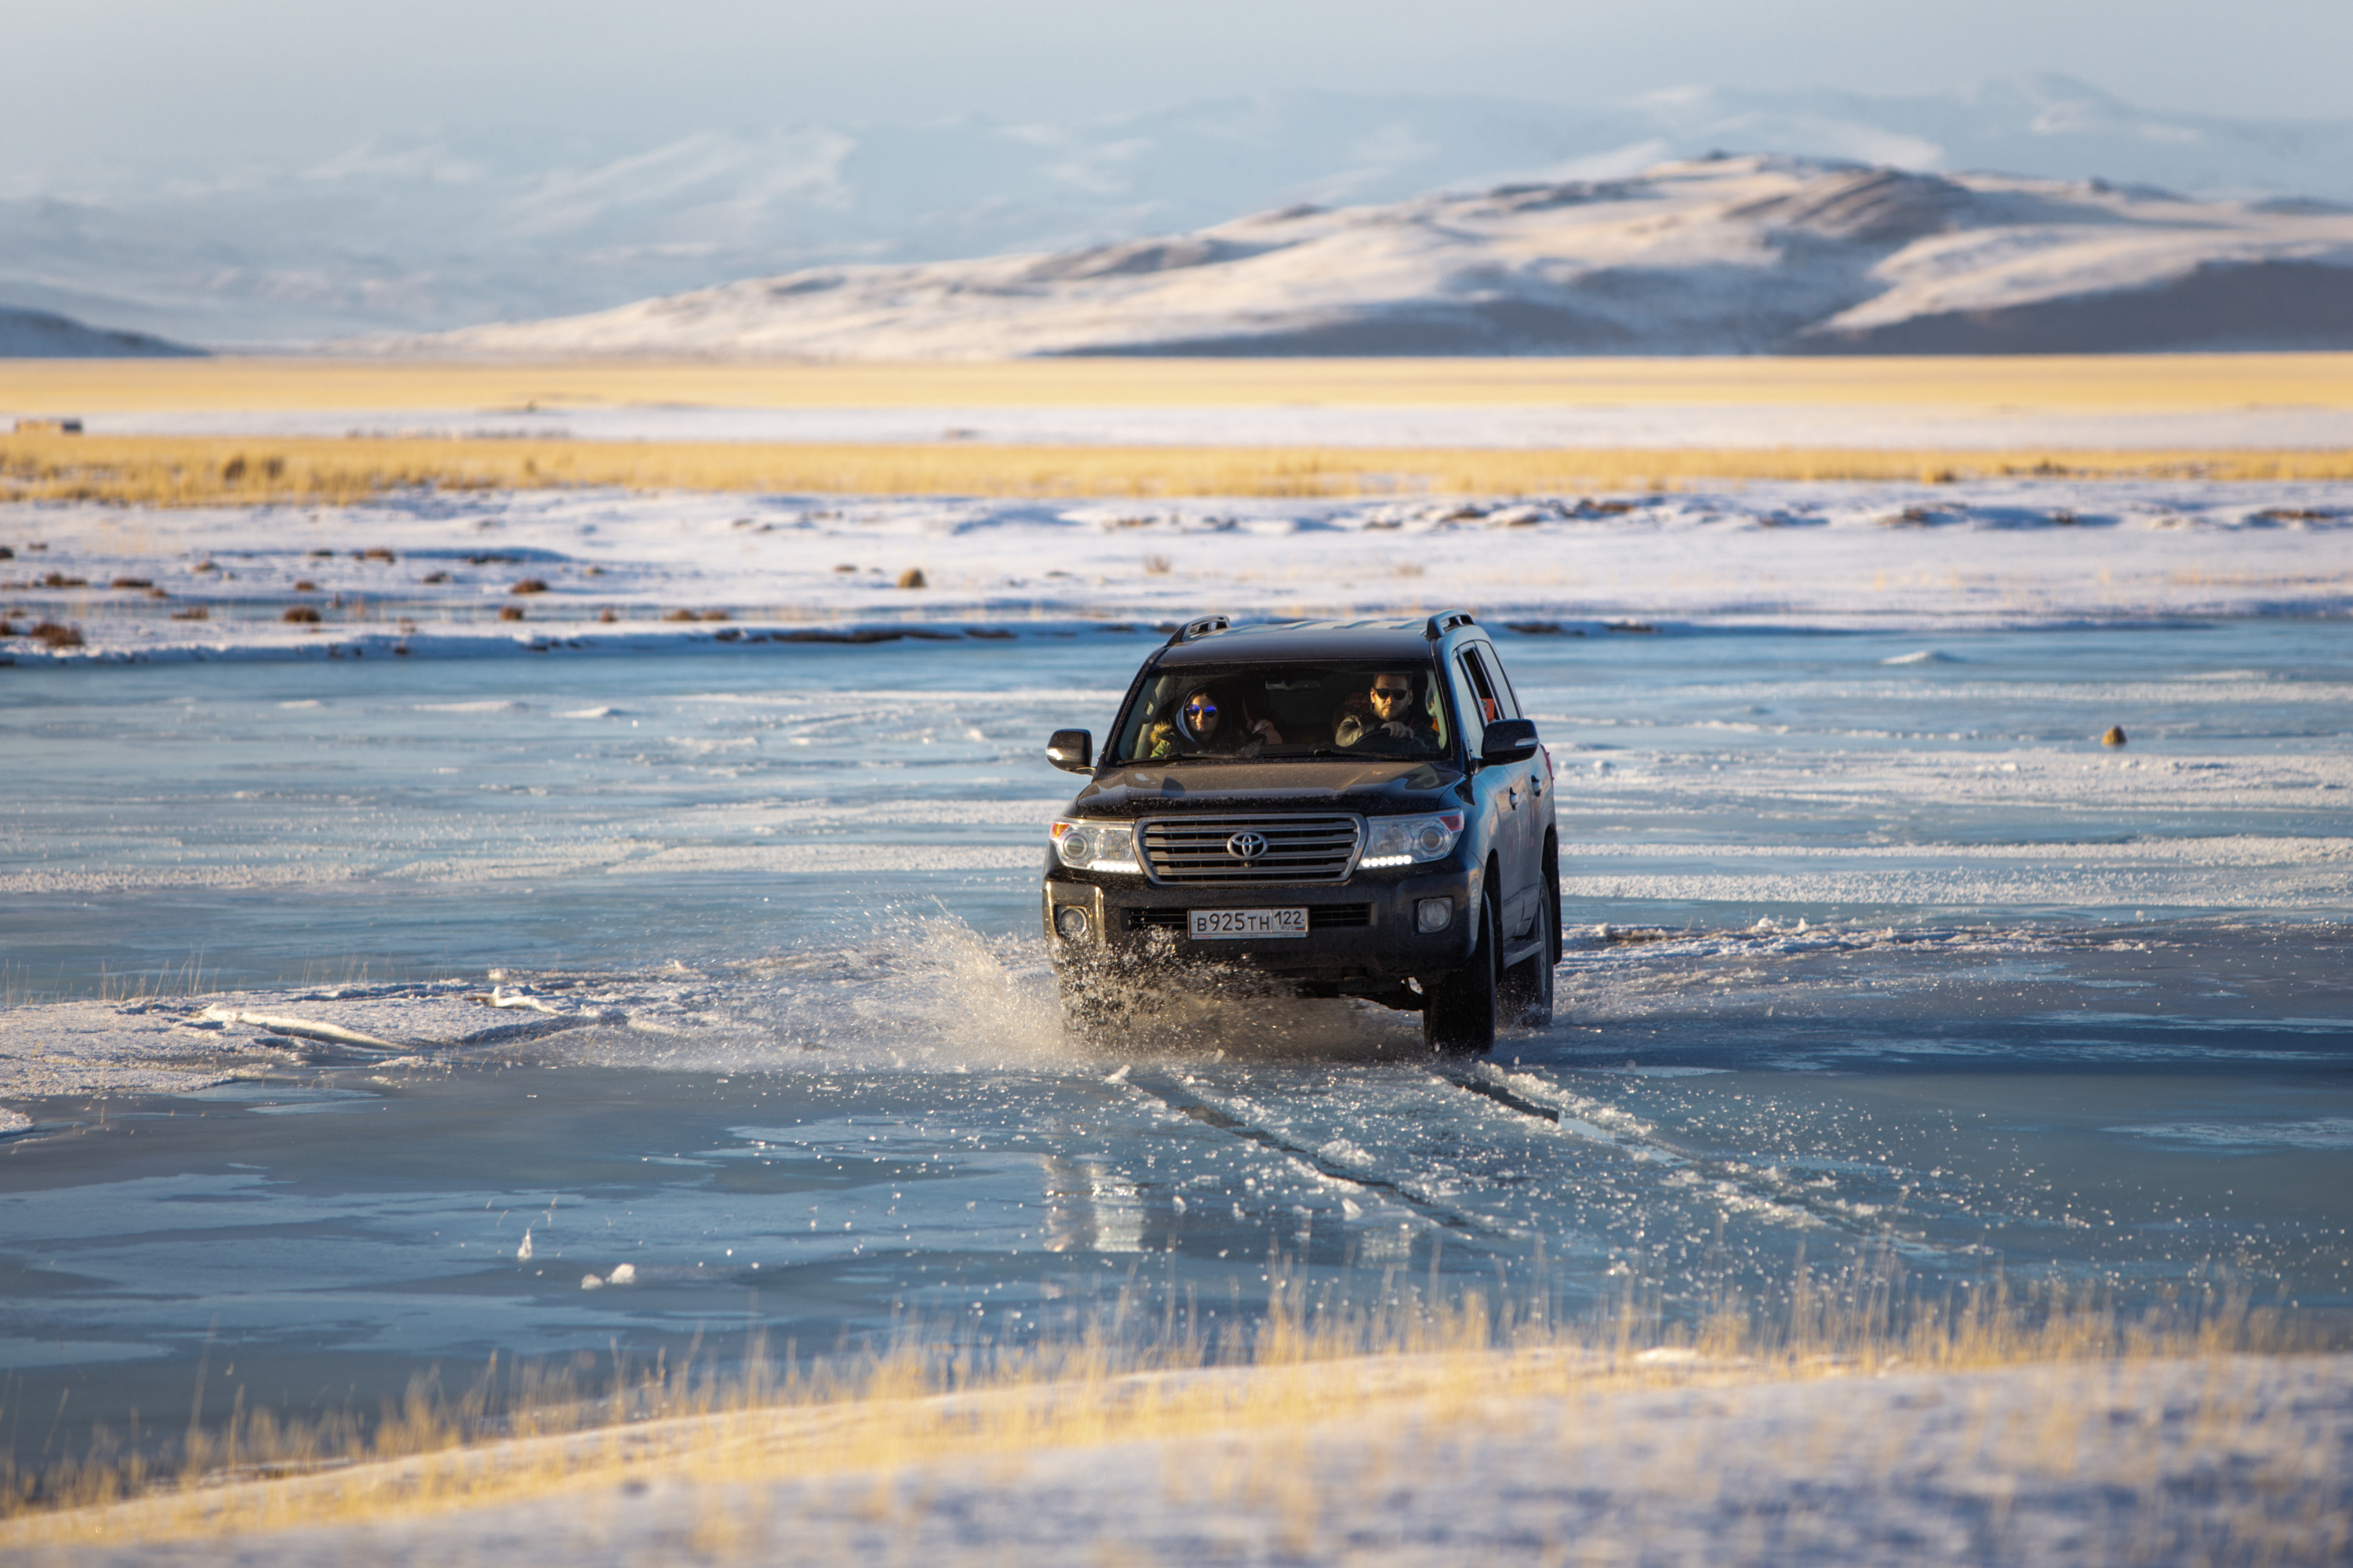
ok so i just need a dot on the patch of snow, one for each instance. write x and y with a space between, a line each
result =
172 1045
1992 553
2326 1132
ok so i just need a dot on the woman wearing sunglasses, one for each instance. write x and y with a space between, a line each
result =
1203 724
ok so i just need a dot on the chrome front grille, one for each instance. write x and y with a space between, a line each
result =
1207 850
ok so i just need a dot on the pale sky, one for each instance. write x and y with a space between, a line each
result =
156 85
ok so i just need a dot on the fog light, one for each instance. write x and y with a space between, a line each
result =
1070 921
1433 914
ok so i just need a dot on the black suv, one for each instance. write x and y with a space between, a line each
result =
1320 808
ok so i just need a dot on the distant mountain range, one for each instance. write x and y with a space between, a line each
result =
36 334
431 232
1747 254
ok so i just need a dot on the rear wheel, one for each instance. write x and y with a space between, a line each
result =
1526 996
1458 1016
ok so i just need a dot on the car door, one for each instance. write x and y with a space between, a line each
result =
1537 812
1505 790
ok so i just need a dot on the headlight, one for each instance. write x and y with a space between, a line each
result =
1095 846
1408 841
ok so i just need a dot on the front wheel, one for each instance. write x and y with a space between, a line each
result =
1458 1015
1096 1012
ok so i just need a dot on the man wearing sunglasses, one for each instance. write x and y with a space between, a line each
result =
1386 715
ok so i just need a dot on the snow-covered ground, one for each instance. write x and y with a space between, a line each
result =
1730 255
2211 1461
428 574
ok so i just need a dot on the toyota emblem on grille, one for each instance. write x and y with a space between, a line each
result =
1246 846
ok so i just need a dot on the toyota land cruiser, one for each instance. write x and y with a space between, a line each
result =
1322 809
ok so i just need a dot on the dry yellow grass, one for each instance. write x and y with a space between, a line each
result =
2119 383
217 470
923 1402
188 472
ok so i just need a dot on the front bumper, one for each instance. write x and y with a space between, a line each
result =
1361 931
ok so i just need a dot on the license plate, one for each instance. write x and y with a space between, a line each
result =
1226 925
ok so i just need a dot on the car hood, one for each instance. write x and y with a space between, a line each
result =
1376 788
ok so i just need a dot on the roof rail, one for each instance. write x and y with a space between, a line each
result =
1446 621
1204 627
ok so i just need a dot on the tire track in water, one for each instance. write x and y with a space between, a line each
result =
1488 1083
1723 1176
1177 1097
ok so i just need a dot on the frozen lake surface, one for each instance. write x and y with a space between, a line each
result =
724 967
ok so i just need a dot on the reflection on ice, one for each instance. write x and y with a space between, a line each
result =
1089 1206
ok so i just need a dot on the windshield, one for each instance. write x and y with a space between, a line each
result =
1307 709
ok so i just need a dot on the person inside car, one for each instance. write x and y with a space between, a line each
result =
1201 725
1385 717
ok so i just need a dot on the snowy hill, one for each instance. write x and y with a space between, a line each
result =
447 229
36 334
1723 255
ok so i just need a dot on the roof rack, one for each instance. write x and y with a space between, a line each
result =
1206 626
1446 621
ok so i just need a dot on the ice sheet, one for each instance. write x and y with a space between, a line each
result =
831 1140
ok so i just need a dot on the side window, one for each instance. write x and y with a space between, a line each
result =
1493 706
1469 704
1503 682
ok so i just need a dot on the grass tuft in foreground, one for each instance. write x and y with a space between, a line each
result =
920 1399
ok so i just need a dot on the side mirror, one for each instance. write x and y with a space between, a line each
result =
1508 740
1072 750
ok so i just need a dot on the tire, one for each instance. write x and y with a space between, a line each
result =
1552 894
1526 992
1457 1017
